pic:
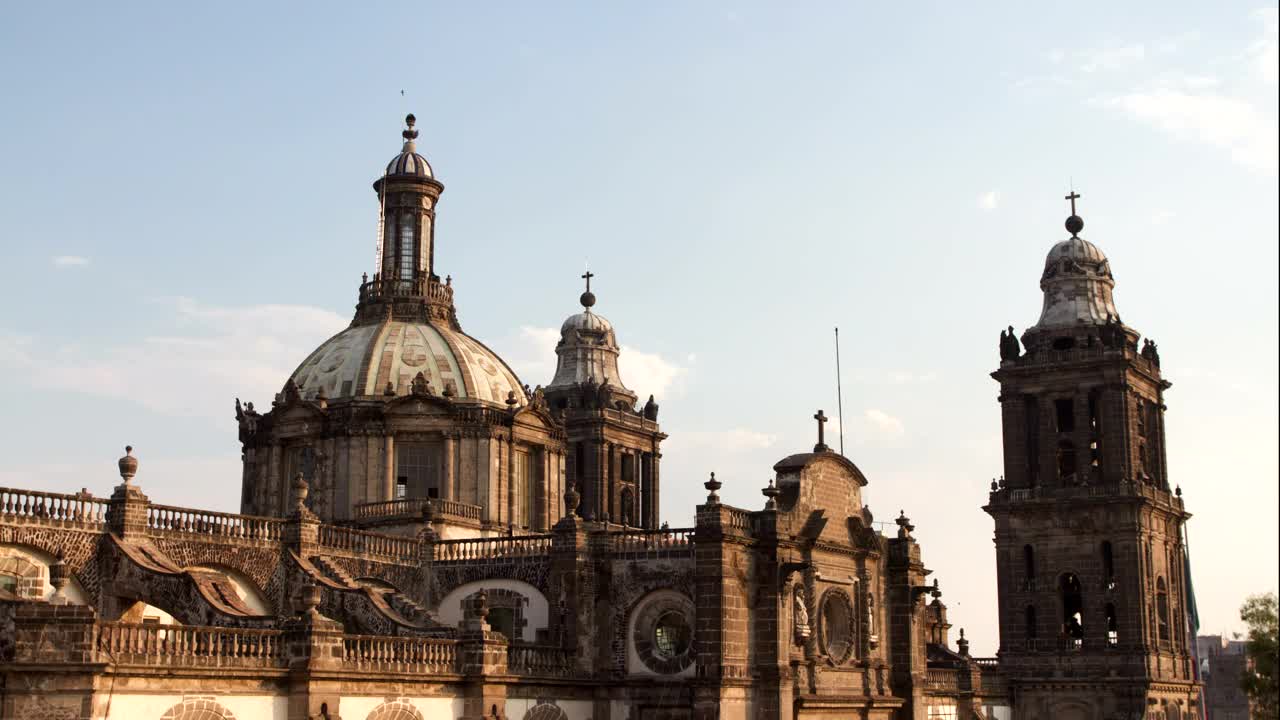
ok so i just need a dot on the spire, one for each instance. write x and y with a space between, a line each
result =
1074 223
410 134
588 298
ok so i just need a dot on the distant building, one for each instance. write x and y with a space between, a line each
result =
1223 663
424 536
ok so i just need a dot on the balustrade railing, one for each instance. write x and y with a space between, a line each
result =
545 660
53 506
492 548
423 286
413 507
163 518
176 645
652 541
400 654
392 547
738 518
942 679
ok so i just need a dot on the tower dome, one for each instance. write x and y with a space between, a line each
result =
588 349
408 161
1076 282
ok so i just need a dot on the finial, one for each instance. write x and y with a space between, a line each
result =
712 486
994 485
1178 491
410 134
588 298
128 465
1074 223
771 492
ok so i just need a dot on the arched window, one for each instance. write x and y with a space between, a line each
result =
1072 596
1162 609
408 251
1113 626
1029 620
1067 462
1108 566
1029 565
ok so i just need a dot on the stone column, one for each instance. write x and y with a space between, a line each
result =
655 514
643 502
615 474
389 466
314 646
482 654
601 478
1048 444
449 492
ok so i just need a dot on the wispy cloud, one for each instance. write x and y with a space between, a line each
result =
207 356
1233 124
66 261
1115 58
884 422
989 200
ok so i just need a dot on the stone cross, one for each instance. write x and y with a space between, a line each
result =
587 276
1073 197
822 421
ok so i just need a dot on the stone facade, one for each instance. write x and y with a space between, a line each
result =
512 562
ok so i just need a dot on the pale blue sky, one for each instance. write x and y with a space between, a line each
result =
185 211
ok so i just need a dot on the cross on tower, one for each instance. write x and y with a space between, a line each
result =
822 421
1073 197
587 276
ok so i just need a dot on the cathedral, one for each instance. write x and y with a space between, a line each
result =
422 536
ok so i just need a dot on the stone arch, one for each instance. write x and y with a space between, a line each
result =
24 572
529 607
198 709
395 710
545 711
22 578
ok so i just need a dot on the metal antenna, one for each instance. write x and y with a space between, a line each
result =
839 392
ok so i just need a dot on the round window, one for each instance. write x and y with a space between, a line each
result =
671 636
837 625
663 634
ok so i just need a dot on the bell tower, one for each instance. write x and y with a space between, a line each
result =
1089 543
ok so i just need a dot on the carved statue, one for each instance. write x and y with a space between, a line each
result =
651 410
420 385
1111 334
1010 349
800 618
1151 352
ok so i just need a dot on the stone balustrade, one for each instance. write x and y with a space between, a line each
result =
413 508
181 645
666 541
942 680
492 548
44 506
375 653
164 519
540 660
385 547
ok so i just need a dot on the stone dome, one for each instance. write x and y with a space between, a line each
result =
1077 285
409 162
587 351
362 359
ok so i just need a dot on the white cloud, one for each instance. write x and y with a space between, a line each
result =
1116 58
989 200
649 373
1233 124
908 377
63 261
1266 52
884 422
208 356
